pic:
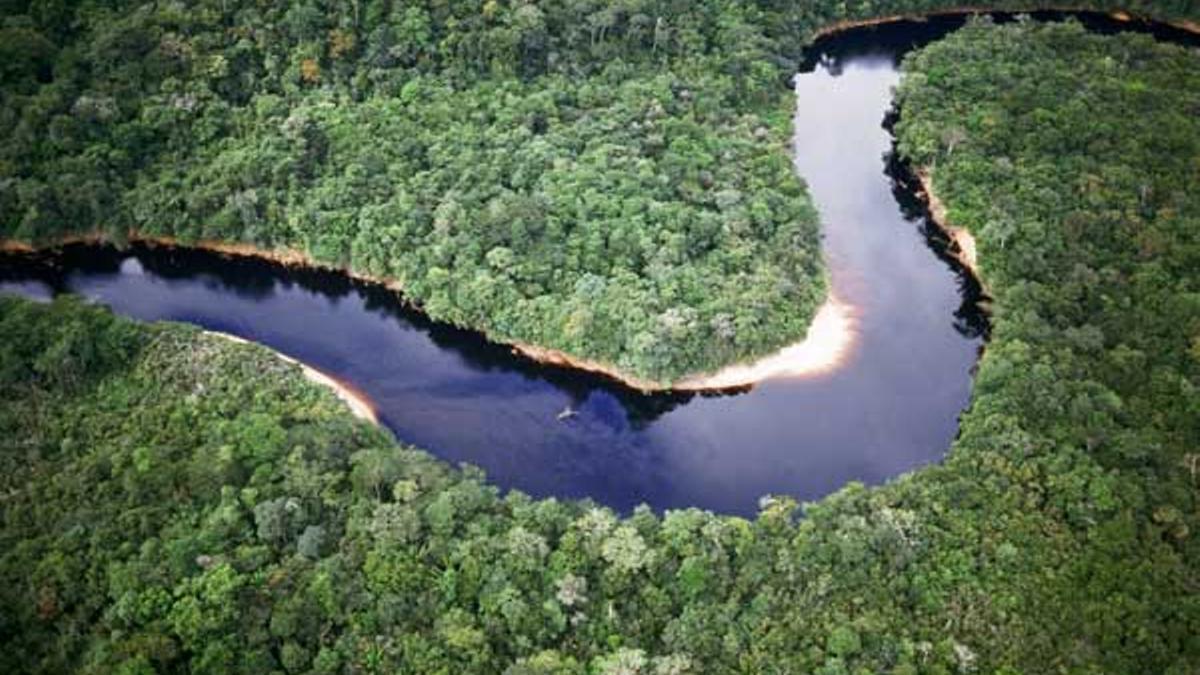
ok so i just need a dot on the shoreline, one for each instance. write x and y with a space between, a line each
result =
964 249
360 404
829 337
288 257
1185 25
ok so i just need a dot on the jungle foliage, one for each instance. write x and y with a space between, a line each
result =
1074 158
610 181
171 502
605 178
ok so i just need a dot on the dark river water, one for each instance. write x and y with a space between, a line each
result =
891 407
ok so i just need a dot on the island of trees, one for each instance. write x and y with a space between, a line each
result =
174 502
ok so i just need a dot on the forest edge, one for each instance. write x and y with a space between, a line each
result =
358 403
963 247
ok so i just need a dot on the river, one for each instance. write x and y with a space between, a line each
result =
890 407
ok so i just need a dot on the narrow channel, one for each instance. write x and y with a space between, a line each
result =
891 407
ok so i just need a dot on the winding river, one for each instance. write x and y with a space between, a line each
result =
891 406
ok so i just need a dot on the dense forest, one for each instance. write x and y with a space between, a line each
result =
548 178
1073 159
609 179
173 502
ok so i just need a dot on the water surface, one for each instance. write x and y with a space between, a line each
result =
893 405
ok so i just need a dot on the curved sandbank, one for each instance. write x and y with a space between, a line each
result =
830 337
356 401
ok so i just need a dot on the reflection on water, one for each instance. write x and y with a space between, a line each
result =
891 407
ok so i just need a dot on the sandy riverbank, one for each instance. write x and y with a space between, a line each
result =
284 256
357 401
831 335
964 249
